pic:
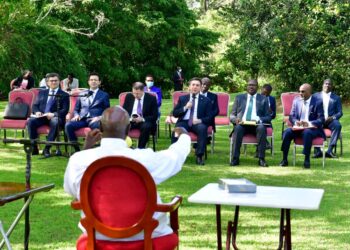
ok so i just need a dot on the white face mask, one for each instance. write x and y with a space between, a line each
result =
149 84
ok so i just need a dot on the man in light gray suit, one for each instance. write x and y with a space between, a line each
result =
250 107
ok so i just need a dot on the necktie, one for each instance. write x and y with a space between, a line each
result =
50 102
190 120
139 107
250 109
303 112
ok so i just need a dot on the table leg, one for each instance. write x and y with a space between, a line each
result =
285 231
232 231
218 226
26 227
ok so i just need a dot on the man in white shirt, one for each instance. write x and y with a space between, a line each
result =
307 115
332 113
69 83
254 107
161 165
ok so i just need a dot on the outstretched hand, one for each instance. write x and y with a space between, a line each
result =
91 138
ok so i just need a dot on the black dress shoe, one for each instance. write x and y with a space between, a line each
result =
331 155
58 153
306 164
284 163
199 160
262 163
46 152
35 150
317 155
234 162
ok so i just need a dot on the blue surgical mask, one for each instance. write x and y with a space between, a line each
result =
149 84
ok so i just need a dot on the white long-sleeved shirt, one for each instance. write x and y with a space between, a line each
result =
161 165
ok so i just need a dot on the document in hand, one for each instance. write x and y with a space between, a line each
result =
249 123
35 116
240 185
296 128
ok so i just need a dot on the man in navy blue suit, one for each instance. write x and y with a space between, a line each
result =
266 91
332 113
307 118
194 113
206 83
46 112
250 107
88 109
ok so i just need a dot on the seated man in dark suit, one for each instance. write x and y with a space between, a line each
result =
266 91
332 113
307 115
88 109
143 111
46 112
206 83
250 107
194 113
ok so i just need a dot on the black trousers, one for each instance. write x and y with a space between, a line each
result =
35 123
146 128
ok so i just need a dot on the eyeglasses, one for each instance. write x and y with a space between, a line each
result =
301 91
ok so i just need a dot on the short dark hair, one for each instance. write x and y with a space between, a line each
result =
94 74
267 86
72 75
195 79
149 75
138 86
49 75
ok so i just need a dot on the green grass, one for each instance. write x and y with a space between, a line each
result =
54 223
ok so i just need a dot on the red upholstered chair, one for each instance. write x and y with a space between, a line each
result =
35 92
170 119
119 198
317 142
26 97
287 102
194 139
222 119
135 133
250 139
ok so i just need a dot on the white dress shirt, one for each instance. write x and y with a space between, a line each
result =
305 107
161 165
73 85
254 116
188 113
326 98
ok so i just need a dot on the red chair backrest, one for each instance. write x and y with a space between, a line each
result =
176 96
35 92
223 102
122 98
118 197
25 96
287 102
74 95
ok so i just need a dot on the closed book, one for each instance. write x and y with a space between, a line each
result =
240 185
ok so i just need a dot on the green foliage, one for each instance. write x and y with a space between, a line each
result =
293 41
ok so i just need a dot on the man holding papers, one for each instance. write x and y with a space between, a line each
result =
249 114
307 118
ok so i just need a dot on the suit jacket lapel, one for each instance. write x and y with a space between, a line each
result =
97 96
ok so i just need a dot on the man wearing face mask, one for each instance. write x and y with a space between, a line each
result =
151 88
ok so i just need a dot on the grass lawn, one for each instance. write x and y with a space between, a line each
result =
54 223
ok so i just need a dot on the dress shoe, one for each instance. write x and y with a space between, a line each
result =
331 155
76 148
234 162
58 153
46 152
284 163
262 163
199 160
35 150
307 164
317 155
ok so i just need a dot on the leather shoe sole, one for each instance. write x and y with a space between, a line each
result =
262 163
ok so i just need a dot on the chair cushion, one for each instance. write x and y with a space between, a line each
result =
269 131
134 133
82 132
43 130
193 136
13 124
167 242
249 138
318 141
222 121
327 132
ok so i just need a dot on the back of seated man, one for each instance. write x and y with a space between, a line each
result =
151 88
25 81
46 111
88 109
332 113
195 114
206 83
143 110
161 165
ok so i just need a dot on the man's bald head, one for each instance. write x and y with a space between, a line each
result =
305 91
115 123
